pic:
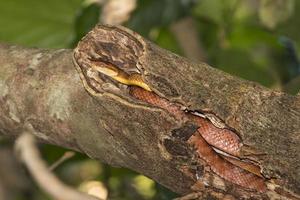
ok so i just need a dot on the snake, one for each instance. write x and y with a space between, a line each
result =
205 140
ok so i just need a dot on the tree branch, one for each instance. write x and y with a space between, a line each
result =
41 89
29 154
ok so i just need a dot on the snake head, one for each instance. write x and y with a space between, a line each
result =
105 69
110 51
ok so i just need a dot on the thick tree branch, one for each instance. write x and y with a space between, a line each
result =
42 90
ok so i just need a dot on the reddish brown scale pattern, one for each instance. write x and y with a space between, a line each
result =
226 169
223 139
245 165
153 99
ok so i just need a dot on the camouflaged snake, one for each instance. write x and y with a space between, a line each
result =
206 137
93 62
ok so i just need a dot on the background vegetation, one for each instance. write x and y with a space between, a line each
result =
257 40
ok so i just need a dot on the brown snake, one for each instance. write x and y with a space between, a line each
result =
206 136
204 140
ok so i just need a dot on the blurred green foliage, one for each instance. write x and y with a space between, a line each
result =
47 24
256 40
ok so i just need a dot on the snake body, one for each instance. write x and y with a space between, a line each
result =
206 137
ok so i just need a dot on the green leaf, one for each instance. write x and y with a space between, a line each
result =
86 19
155 13
39 23
210 9
242 64
216 11
166 40
248 35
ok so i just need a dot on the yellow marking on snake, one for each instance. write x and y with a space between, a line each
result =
122 77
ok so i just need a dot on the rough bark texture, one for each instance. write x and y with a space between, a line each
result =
41 90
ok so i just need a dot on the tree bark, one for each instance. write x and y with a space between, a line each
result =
41 90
